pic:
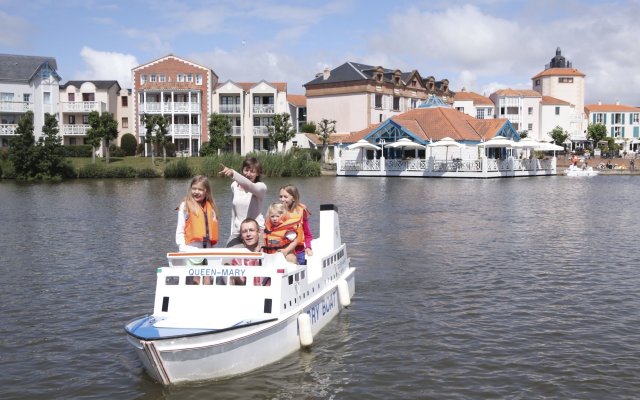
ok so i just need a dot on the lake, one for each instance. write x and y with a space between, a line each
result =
465 289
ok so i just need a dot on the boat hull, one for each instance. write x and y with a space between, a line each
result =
221 354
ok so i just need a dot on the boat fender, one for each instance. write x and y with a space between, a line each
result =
343 293
304 328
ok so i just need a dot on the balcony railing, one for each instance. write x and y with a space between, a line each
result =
8 129
184 130
264 109
83 106
235 131
230 108
261 131
16 106
74 130
153 107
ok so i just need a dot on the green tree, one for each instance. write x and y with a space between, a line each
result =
109 130
308 127
128 144
219 129
161 136
94 133
559 135
281 130
523 134
597 133
22 150
326 127
51 163
150 124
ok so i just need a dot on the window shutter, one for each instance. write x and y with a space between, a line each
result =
605 118
594 118
636 132
623 131
622 119
612 131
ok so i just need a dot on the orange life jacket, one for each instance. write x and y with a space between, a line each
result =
275 237
195 229
298 214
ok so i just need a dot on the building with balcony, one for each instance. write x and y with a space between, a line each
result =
124 114
521 107
78 99
250 106
27 83
180 90
358 95
622 123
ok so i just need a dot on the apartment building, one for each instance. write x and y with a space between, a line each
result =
561 81
521 107
27 83
251 107
124 114
622 122
78 99
474 104
179 89
358 95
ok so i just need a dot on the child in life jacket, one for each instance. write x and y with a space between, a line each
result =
280 232
197 217
290 197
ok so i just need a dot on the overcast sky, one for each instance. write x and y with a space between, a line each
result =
482 45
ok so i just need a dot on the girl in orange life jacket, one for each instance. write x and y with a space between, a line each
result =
290 197
197 217
280 232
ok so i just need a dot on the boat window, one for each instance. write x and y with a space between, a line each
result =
199 280
290 279
238 280
221 280
302 275
262 281
172 280
297 277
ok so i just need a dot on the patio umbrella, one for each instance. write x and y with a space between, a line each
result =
526 143
446 142
363 144
406 144
544 146
497 141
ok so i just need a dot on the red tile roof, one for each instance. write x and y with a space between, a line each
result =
517 93
559 72
476 98
548 100
298 100
609 107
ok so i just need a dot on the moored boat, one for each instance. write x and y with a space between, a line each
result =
576 171
223 312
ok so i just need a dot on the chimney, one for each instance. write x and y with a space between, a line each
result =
617 102
599 103
326 73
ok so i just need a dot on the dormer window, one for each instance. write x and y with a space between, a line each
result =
414 83
379 77
397 79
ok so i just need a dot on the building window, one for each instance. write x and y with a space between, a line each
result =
501 110
414 103
635 118
72 141
189 77
396 103
72 119
512 110
294 143
617 131
557 110
163 78
530 110
198 79
565 80
26 97
414 83
379 77
598 118
537 82
378 101
125 101
85 119
480 113
153 77
143 79
46 97
71 96
530 127
125 122
617 118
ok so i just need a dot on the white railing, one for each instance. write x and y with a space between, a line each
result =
184 129
264 109
235 131
16 106
74 130
364 165
262 131
8 129
168 107
230 108
458 166
83 106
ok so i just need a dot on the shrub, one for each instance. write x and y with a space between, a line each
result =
4 154
148 173
92 171
115 151
83 150
179 169
171 149
140 149
128 144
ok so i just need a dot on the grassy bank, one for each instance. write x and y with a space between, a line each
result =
295 164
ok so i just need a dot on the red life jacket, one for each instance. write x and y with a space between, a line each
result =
275 238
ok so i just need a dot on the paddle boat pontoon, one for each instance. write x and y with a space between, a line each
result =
223 312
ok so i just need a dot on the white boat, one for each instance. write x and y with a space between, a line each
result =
223 312
576 171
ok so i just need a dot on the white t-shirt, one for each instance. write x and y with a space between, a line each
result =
248 198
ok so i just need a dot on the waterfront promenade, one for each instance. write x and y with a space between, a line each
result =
621 165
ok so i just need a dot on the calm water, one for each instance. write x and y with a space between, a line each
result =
465 289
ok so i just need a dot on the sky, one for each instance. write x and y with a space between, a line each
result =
479 45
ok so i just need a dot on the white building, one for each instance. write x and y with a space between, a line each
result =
521 108
622 122
27 83
474 104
